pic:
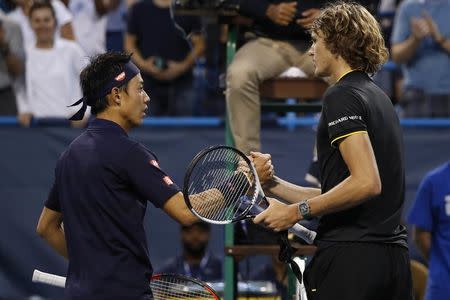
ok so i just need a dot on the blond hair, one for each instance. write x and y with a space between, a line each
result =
349 30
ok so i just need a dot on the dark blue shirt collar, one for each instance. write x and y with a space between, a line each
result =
107 125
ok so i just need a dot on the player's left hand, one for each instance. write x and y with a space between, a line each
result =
278 216
263 165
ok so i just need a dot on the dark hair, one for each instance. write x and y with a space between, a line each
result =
40 4
349 30
101 70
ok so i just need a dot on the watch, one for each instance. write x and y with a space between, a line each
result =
305 210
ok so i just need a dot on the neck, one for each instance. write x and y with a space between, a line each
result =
340 69
193 259
114 118
45 44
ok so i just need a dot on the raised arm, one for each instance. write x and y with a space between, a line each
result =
275 186
422 238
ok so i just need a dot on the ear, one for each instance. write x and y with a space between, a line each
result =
115 95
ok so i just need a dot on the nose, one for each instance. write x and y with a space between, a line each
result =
146 98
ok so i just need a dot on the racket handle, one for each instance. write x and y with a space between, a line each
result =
304 233
48 278
299 230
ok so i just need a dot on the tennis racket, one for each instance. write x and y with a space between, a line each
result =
164 286
221 186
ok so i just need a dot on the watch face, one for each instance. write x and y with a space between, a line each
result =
304 208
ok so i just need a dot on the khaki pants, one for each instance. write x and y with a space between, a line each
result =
254 62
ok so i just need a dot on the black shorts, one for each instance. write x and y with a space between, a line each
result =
359 271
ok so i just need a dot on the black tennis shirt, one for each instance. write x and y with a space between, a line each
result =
353 105
102 184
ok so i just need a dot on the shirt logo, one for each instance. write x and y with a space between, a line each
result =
343 119
154 163
120 77
167 180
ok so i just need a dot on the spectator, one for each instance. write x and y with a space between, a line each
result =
195 261
280 41
430 216
53 66
89 24
421 43
22 12
162 52
11 63
116 24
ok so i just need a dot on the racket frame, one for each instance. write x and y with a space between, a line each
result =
256 184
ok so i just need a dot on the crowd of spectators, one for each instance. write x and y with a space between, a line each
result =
170 50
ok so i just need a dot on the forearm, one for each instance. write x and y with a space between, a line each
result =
347 194
289 192
67 32
13 62
14 65
404 51
130 47
423 241
57 240
445 44
198 49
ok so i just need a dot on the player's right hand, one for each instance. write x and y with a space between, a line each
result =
282 13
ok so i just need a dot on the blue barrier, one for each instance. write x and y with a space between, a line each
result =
153 121
289 122
425 122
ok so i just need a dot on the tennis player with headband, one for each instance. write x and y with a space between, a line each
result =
362 249
101 187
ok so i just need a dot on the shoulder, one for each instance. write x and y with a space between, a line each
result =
69 47
437 173
138 151
340 92
407 5
140 5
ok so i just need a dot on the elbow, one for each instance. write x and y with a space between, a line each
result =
397 55
41 230
373 187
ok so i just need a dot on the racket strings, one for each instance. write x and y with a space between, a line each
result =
176 288
229 195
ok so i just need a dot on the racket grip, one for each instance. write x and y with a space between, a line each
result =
47 278
304 233
301 231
